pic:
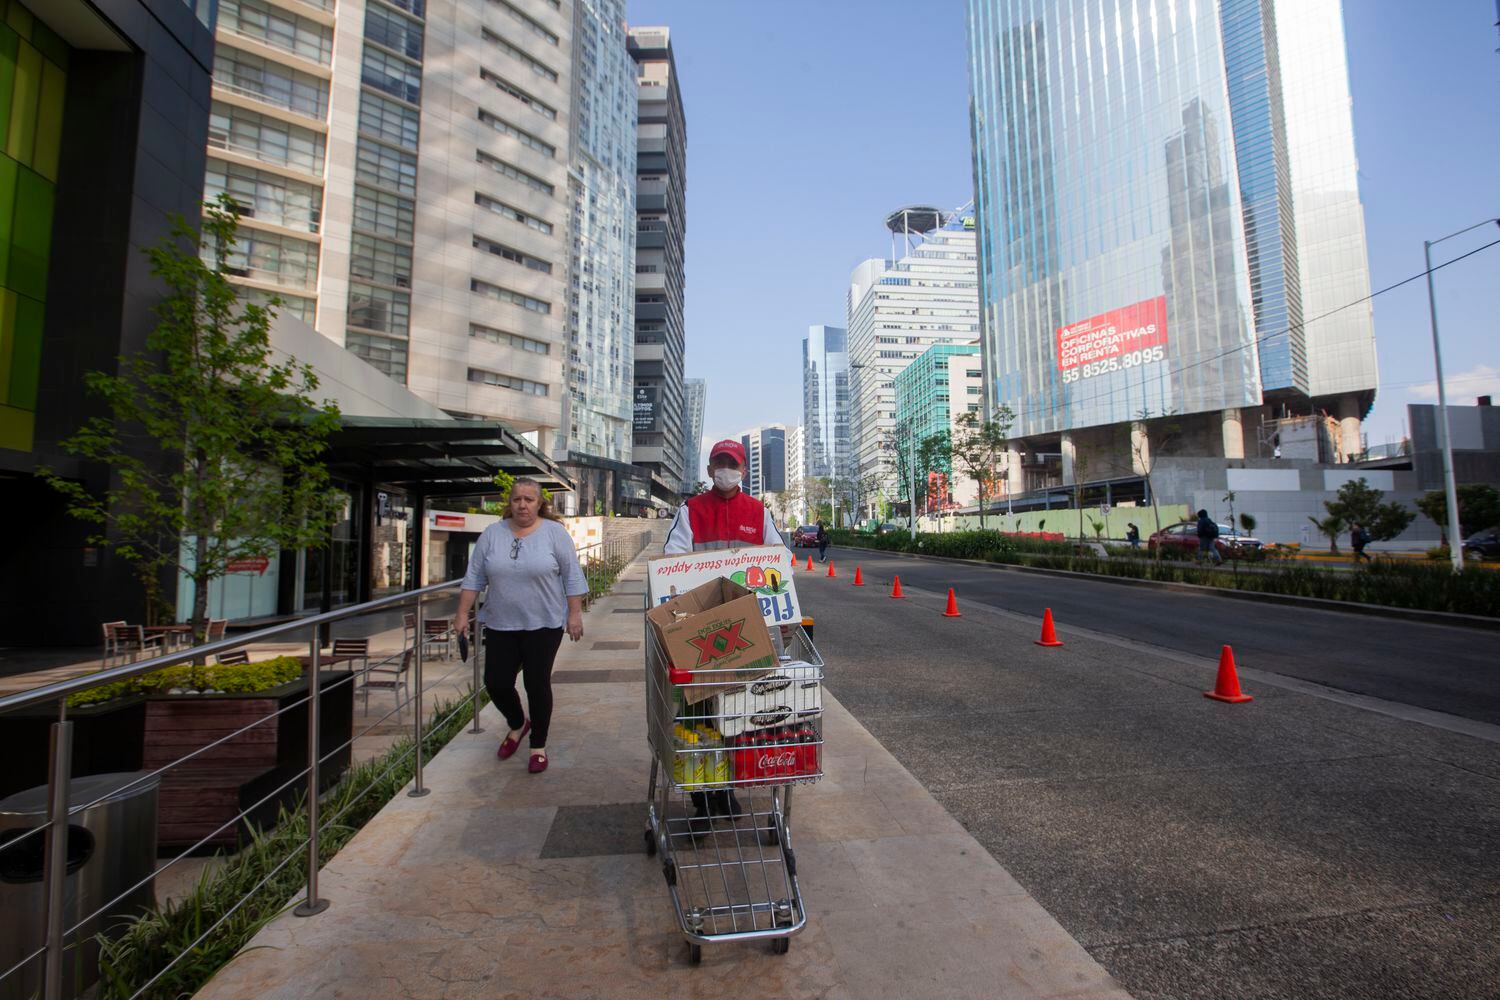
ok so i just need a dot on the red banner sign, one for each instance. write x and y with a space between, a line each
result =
1118 332
251 564
448 520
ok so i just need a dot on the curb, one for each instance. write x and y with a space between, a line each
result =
1312 603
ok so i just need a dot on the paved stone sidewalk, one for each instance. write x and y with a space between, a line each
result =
506 884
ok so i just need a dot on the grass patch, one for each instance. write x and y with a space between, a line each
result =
231 903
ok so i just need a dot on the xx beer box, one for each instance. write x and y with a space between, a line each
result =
715 639
790 695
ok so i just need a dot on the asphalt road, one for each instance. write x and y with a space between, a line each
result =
1446 669
1294 846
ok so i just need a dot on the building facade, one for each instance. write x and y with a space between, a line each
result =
602 182
1167 207
695 398
825 402
897 310
660 283
929 399
765 459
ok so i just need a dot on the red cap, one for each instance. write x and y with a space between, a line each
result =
729 447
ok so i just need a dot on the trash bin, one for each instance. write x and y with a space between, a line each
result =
111 847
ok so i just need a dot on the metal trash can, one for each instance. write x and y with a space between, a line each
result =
111 847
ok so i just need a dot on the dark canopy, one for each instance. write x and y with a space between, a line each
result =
437 458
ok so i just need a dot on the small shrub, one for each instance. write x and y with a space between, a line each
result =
231 678
1439 553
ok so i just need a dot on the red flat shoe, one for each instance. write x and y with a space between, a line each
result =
509 746
538 763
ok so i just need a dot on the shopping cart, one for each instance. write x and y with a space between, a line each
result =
738 746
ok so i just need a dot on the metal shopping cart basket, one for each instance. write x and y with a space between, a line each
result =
737 752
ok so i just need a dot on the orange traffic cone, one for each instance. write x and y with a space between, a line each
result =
1049 632
1227 688
896 587
952 611
809 562
830 568
859 579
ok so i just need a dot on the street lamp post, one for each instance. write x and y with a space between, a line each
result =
1450 486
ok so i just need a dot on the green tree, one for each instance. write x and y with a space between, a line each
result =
1359 503
1330 527
1478 508
215 451
977 447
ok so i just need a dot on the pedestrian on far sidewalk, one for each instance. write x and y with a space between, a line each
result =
1133 535
1208 534
536 587
822 543
1359 537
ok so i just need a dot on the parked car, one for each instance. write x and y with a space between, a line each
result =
1183 537
805 537
888 529
1483 545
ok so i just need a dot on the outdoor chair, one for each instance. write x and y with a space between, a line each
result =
131 641
385 677
439 632
354 649
216 629
111 647
232 657
409 625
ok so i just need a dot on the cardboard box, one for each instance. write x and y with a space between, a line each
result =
765 569
714 638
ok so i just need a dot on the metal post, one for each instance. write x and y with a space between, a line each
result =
419 641
312 904
1455 539
476 632
55 860
911 432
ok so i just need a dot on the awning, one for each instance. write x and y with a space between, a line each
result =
437 458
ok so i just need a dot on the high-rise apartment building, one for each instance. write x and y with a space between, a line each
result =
930 395
897 310
825 402
1169 217
695 397
765 459
661 226
602 179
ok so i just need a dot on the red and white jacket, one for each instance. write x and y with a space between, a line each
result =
710 521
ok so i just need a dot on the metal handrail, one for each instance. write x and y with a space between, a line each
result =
61 689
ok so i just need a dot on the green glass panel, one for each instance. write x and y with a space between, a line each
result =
7 339
26 353
10 43
8 171
21 19
17 428
49 121
21 139
50 44
31 235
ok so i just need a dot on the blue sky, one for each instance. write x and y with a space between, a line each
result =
809 121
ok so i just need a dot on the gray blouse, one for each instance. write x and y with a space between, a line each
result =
530 579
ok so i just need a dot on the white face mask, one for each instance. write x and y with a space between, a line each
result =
727 479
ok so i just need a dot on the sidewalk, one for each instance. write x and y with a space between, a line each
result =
502 883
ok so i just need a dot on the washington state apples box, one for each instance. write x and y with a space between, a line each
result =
765 570
715 638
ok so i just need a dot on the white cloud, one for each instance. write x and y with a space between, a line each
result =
1481 380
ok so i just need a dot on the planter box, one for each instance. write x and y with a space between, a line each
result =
106 738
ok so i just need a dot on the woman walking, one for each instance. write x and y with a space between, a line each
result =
536 590
822 543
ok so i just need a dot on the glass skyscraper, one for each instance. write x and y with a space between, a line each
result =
1167 205
825 401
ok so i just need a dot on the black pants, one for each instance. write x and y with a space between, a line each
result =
822 551
530 653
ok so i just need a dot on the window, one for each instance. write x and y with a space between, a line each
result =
417 8
514 173
253 76
525 138
267 139
507 382
379 309
509 295
388 120
377 260
399 34
539 68
379 212
278 28
974 373
494 336
275 258
512 213
384 353
291 305
506 87
393 75
511 254
535 27
390 168
265 196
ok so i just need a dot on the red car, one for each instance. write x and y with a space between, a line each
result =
805 537
1183 538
